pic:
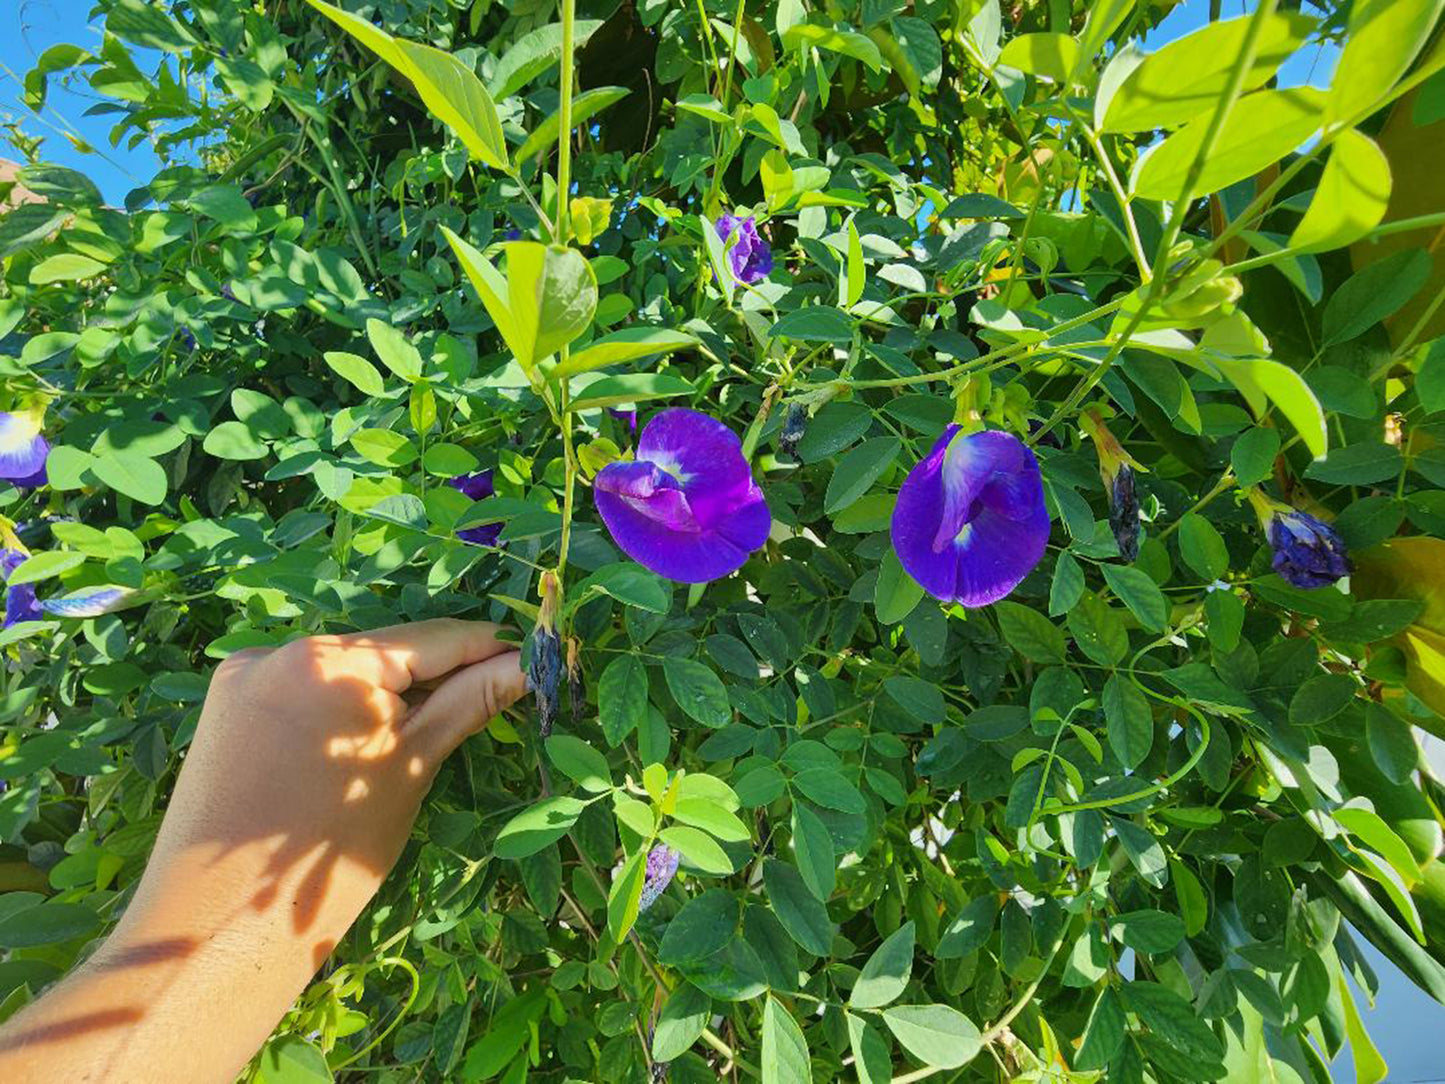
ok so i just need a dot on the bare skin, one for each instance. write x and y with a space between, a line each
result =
297 795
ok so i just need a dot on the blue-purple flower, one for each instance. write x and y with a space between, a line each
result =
626 417
661 869
750 257
970 521
687 507
478 487
19 601
1308 552
23 448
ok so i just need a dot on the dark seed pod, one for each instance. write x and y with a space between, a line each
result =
1124 513
545 670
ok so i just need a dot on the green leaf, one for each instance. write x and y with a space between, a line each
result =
1351 198
1173 1020
532 54
1380 837
584 106
622 698
801 913
1149 930
815 324
232 440
921 699
698 848
830 789
47 924
1252 455
357 371
1262 382
292 1060
1048 56
1260 130
1203 547
625 895
1384 37
1030 633
1321 698
579 762
937 1035
451 90
896 594
682 1021
698 692
885 976
970 929
394 350
627 344
1103 1034
872 1060
808 36
1130 721
711 817
537 827
785 1050
65 267
855 273
1373 293
705 924
546 300
1370 1067
133 474
858 470
630 584
43 566
384 447
1392 743
630 388
1186 78
813 849
1140 593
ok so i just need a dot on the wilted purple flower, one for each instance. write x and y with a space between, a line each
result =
661 869
91 602
544 672
687 507
478 487
20 604
22 448
1117 469
750 256
1308 552
794 426
970 521
626 417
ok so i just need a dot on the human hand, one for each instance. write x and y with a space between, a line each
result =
298 792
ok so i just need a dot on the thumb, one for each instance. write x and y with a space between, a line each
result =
463 703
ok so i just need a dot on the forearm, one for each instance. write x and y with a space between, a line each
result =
177 994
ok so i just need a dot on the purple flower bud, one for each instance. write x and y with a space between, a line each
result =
23 449
19 601
750 257
687 507
513 234
92 602
544 672
661 869
970 521
478 487
1307 552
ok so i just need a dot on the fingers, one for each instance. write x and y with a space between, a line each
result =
464 702
426 649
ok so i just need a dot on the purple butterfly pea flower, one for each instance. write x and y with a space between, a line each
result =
88 603
22 449
970 521
662 863
478 487
513 234
19 601
687 507
750 256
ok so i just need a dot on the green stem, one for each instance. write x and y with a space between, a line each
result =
564 116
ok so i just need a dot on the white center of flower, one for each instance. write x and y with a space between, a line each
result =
669 465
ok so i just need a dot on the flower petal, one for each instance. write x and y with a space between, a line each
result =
706 458
22 448
970 521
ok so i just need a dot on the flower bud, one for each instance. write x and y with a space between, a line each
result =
794 425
